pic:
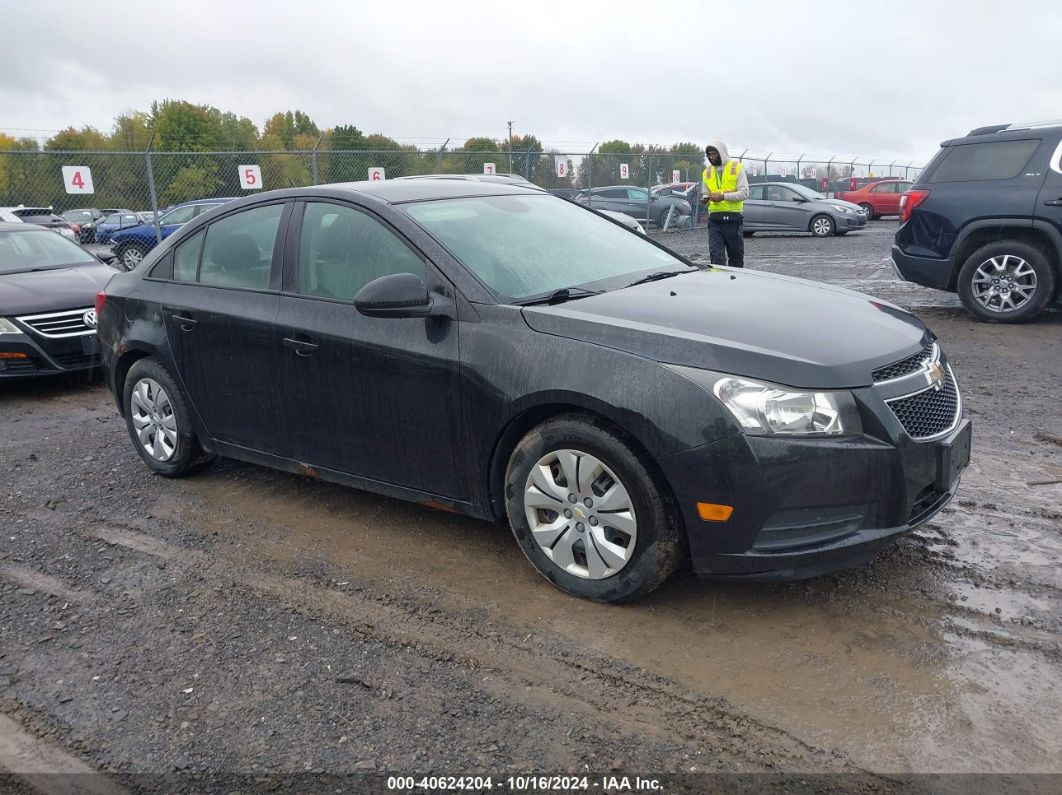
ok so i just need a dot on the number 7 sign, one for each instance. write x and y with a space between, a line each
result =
77 179
250 177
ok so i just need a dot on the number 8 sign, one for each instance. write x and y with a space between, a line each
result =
250 177
77 179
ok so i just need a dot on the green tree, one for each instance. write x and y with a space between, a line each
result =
194 181
287 125
183 127
69 140
478 151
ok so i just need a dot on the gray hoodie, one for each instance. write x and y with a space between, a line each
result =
742 191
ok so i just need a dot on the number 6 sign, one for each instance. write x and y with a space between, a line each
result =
250 177
77 179
377 174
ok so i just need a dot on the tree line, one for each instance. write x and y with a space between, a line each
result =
197 149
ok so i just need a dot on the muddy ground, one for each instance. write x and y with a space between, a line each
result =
251 621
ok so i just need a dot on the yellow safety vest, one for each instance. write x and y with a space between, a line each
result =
728 184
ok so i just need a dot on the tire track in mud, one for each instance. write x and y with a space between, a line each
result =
557 680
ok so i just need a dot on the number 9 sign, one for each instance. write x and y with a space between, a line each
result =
250 177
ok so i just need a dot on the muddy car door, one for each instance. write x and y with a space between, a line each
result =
368 396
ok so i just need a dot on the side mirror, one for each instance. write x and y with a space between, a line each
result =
800 200
397 295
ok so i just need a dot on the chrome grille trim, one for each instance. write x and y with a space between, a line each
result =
56 325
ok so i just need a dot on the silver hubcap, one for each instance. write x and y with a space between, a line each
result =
821 227
580 514
154 420
1004 283
132 257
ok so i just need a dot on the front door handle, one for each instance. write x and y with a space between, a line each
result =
1053 202
187 323
301 347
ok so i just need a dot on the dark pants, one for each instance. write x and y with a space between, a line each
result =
725 239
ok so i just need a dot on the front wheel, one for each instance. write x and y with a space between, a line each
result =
822 226
131 254
159 421
1006 282
588 514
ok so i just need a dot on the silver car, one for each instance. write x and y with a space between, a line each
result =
791 207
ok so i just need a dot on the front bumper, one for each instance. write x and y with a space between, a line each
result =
804 507
852 221
25 355
926 271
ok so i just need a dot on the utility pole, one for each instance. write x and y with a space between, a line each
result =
510 123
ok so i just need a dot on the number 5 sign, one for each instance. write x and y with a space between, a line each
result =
250 177
77 179
376 174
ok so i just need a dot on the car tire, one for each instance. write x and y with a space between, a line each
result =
748 234
129 255
627 559
1012 263
159 422
842 232
869 211
822 225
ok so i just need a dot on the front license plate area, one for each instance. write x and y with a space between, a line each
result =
90 345
953 457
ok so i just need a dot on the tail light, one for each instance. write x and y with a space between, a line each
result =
909 201
101 299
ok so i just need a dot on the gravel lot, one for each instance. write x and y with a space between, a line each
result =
171 633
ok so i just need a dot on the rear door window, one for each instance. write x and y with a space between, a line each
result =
186 258
180 215
238 251
983 161
756 192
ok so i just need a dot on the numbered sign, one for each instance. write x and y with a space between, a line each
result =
562 166
489 168
77 179
625 171
250 177
376 174
676 175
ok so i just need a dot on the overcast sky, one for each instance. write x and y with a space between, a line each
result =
890 80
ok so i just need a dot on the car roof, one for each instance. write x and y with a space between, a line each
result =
20 227
397 191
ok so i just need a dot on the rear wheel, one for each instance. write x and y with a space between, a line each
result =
822 225
587 513
1006 282
869 211
159 421
131 254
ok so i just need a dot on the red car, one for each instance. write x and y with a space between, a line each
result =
878 198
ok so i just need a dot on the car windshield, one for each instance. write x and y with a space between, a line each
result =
807 193
522 246
26 251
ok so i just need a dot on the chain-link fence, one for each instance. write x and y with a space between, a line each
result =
146 182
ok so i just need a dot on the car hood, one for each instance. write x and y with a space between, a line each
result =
52 290
777 328
850 205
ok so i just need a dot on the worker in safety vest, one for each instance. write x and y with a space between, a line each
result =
725 189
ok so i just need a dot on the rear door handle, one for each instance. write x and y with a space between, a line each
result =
187 323
301 347
1053 202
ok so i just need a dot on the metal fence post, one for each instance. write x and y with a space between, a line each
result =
151 189
313 160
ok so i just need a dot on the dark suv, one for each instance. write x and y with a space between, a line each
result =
985 220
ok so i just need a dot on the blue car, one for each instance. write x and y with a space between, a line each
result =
112 222
133 243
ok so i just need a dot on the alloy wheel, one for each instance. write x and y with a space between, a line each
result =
580 514
154 419
132 257
821 227
1004 283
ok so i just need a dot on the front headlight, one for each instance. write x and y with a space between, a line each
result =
841 208
7 327
765 409
68 233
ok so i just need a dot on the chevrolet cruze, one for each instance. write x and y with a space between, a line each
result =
497 351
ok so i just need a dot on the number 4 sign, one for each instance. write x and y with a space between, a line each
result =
77 179
250 177
488 168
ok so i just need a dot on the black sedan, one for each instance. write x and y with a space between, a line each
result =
48 287
497 351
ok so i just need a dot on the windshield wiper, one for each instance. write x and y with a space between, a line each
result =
655 277
559 296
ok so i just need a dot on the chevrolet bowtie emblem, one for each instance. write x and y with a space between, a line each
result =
935 375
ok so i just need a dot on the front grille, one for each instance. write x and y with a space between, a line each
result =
928 413
72 361
69 323
912 364
17 366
